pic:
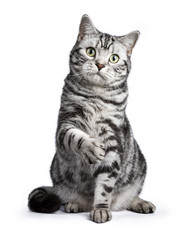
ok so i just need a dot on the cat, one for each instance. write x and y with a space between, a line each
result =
98 165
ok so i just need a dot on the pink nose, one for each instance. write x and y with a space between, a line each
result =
100 66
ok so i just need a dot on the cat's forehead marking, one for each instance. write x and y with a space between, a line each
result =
106 40
104 44
103 40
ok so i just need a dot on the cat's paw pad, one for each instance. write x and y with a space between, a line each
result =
144 207
100 215
93 150
72 207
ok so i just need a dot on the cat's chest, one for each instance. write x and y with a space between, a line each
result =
98 116
97 111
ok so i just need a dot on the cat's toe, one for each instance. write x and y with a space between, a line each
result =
72 207
96 150
93 151
99 153
100 215
142 206
98 144
148 207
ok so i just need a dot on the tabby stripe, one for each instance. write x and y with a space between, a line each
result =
110 43
97 97
103 169
121 86
118 116
125 63
69 88
65 116
101 205
72 110
78 123
76 50
76 60
107 37
103 131
107 188
115 165
94 155
75 63
111 124
103 194
108 40
68 175
115 130
77 91
128 67
112 149
101 37
107 169
113 175
121 67
79 85
112 102
80 142
89 160
110 138
62 134
70 139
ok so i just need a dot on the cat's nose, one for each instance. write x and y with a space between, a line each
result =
100 66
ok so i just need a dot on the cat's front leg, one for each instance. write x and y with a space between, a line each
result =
91 149
106 176
102 199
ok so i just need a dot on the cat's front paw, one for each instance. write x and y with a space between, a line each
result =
93 150
100 215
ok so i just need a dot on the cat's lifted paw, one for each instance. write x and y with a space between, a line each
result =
100 215
93 150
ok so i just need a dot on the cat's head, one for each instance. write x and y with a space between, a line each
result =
100 58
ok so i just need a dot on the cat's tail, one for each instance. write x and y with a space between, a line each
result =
43 200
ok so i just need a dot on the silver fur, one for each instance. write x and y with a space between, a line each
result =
98 165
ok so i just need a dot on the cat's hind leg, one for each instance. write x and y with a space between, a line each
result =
73 207
141 206
43 200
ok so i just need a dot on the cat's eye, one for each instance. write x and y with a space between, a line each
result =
114 58
91 52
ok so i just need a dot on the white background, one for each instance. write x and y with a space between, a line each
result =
35 40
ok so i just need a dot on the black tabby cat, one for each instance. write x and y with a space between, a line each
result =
98 166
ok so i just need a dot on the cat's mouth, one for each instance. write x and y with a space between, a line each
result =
99 73
95 74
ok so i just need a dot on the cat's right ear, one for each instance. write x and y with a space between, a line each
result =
86 27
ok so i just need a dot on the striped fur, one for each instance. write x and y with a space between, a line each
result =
98 165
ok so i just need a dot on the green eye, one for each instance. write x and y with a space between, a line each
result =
91 52
114 58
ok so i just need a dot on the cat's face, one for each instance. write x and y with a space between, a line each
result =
101 58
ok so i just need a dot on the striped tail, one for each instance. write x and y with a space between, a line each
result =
42 200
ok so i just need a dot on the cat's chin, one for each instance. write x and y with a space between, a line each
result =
96 78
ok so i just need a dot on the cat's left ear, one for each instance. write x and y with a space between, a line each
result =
86 27
129 40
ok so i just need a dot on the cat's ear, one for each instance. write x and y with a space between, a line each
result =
129 40
86 27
